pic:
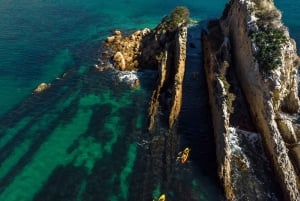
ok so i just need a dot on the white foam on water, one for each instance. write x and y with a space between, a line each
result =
252 137
129 78
236 147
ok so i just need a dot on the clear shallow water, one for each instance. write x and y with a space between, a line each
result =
84 138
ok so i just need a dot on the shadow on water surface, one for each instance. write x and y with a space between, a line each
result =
87 140
156 169
65 183
195 126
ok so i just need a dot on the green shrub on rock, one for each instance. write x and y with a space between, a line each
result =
179 16
269 42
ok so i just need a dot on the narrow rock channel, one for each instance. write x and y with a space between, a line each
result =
195 126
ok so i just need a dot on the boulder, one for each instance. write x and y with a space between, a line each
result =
110 39
287 131
135 84
119 61
42 87
117 33
295 157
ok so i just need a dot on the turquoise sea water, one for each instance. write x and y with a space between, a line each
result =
40 39
85 138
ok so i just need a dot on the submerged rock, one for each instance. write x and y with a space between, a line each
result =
42 87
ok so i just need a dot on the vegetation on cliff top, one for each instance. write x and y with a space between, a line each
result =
270 38
179 16
269 43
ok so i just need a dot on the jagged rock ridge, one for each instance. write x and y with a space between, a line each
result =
268 79
163 49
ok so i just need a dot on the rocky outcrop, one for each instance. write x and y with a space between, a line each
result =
218 108
164 49
179 61
125 51
119 61
264 59
168 91
42 87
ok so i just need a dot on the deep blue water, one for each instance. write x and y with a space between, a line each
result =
85 138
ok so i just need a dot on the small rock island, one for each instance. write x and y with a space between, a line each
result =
162 49
251 67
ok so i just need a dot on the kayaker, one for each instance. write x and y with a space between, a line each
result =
183 155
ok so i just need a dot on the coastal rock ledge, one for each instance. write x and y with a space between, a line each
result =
162 49
251 67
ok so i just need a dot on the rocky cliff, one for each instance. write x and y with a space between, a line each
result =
249 55
162 49
168 92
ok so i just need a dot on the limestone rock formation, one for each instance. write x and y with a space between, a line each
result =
171 73
119 61
252 39
125 50
163 49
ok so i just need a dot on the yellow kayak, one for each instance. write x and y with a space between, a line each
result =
162 197
185 154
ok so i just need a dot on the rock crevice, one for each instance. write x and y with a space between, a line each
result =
162 49
268 83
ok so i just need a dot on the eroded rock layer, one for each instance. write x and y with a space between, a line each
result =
251 40
168 92
162 49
